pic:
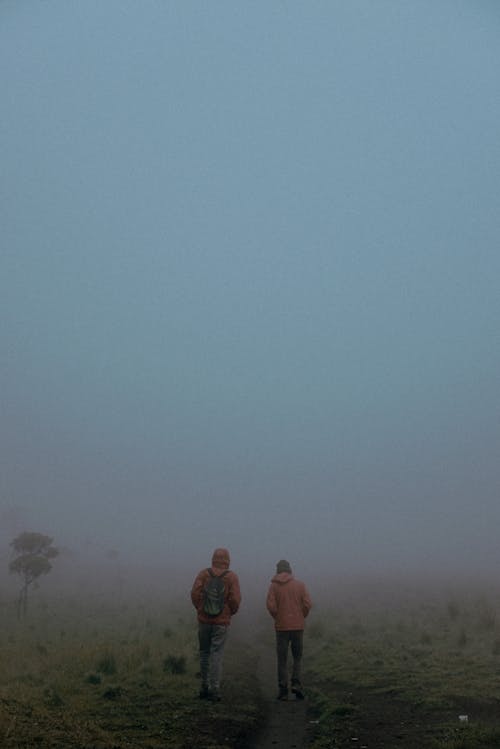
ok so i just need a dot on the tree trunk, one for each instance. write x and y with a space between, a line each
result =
22 602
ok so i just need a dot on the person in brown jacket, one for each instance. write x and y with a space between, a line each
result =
289 603
216 597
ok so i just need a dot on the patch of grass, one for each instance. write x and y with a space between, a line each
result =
52 698
425 638
341 711
93 678
486 617
495 649
112 693
470 738
106 664
414 668
175 664
453 610
80 695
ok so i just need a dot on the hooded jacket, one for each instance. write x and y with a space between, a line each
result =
232 595
288 602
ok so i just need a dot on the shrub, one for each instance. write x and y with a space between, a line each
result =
53 698
93 678
487 618
453 610
106 664
174 664
147 669
425 638
341 711
111 693
462 639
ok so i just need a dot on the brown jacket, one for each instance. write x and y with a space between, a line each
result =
288 602
232 595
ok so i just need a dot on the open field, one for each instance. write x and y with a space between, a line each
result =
382 669
97 676
397 670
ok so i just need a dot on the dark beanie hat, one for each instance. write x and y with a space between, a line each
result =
283 566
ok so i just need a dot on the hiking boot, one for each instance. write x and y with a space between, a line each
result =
283 693
203 695
213 695
298 691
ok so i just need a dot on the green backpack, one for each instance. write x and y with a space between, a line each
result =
213 593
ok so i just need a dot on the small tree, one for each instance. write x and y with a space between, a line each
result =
33 550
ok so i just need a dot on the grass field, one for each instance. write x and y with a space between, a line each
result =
397 670
95 676
382 669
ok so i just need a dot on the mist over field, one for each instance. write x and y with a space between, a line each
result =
249 278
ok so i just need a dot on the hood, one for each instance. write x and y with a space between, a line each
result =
220 559
282 578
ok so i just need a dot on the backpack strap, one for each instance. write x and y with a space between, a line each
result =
209 570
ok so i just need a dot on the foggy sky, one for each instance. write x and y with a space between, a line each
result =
249 280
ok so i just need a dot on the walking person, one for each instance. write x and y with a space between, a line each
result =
289 603
216 597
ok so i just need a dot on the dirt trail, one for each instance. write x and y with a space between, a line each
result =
286 722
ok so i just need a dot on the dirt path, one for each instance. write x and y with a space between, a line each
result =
286 723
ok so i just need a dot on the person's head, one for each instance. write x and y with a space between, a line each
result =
221 558
283 566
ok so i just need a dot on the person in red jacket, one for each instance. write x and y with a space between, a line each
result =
216 597
289 603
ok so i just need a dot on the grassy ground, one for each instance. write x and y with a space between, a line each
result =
99 677
383 670
399 671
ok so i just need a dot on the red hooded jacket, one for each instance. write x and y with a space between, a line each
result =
288 602
232 595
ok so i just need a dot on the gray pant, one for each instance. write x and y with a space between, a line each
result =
212 638
293 637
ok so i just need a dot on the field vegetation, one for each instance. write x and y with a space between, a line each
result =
383 668
399 669
96 675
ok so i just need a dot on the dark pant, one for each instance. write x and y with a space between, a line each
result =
212 638
283 639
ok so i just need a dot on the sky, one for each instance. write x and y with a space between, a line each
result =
249 281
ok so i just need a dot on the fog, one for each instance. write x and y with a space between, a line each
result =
249 287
